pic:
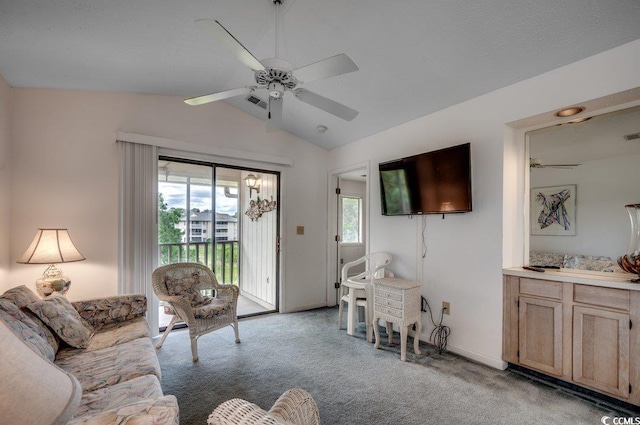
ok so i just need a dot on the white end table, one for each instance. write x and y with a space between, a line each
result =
397 301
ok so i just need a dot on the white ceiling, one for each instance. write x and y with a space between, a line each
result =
415 56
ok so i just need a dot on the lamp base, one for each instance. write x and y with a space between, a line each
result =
52 280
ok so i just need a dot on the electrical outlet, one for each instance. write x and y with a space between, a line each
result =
446 307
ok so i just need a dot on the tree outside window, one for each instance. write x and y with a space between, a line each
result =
168 233
351 222
168 218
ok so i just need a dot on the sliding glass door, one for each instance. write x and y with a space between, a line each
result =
208 214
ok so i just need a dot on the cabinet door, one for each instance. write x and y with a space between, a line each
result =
540 332
601 350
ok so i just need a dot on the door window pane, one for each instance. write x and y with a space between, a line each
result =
351 219
184 212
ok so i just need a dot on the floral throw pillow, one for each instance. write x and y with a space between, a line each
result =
186 287
24 327
21 296
58 313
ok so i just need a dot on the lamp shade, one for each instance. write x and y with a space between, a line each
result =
51 246
32 389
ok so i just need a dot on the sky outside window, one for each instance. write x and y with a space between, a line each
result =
175 196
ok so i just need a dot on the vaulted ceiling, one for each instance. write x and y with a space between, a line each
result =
415 56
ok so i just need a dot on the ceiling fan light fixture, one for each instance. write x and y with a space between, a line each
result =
276 90
569 112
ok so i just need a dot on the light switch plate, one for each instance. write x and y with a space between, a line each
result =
300 230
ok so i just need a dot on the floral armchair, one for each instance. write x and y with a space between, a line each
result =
181 286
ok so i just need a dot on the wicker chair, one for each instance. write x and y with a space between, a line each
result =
294 407
180 285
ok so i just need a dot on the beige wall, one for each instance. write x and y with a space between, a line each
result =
5 182
66 174
465 251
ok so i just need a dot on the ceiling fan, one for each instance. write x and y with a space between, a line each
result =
278 76
536 163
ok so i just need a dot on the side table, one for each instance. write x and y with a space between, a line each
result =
397 301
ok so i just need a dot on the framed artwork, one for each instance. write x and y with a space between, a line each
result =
553 210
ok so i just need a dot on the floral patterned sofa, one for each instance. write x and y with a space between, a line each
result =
105 344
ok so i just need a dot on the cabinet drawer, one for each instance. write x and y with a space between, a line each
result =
388 295
603 297
541 288
389 303
388 311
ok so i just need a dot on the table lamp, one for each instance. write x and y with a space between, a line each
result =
32 389
51 246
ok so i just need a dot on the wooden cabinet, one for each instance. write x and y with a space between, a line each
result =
601 350
578 333
540 334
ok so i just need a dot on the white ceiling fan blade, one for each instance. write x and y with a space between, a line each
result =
536 163
208 98
335 65
274 116
327 105
224 37
562 165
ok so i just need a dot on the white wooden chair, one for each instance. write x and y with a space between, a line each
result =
357 291
180 285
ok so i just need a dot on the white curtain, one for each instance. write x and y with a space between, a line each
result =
138 234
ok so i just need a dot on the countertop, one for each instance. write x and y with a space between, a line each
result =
607 280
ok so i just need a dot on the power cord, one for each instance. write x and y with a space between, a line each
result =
440 332
424 239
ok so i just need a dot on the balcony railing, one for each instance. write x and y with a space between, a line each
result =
227 253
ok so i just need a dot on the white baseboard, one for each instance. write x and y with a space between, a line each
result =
480 358
472 355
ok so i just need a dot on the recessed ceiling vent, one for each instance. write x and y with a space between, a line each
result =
634 136
257 101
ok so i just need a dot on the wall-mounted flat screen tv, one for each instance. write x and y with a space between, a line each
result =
437 182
